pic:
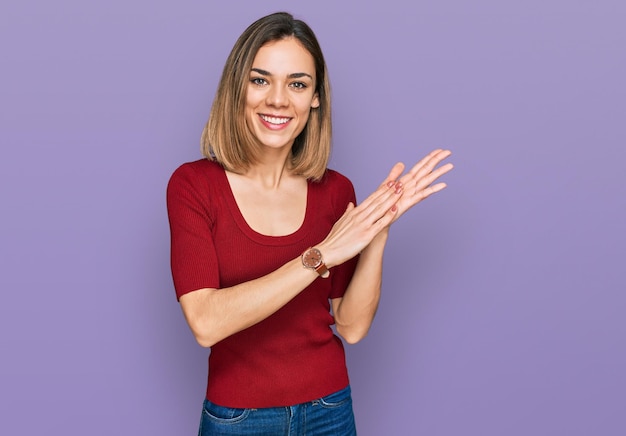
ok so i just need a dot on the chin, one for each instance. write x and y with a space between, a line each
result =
275 143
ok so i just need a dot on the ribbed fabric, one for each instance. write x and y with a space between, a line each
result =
292 356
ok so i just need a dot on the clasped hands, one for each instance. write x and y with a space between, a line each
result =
398 193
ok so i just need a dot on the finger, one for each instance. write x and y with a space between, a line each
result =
430 178
396 171
378 210
420 195
390 183
425 167
423 161
433 162
425 193
411 174
376 205
383 192
386 219
428 163
381 200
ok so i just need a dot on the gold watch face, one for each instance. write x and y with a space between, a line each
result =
312 258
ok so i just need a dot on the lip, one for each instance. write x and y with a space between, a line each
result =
275 122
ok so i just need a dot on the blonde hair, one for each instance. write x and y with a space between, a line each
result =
227 138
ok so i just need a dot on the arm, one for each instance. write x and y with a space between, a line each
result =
355 311
214 314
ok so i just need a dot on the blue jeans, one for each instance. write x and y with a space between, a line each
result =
328 416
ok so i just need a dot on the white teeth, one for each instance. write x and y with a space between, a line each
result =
274 120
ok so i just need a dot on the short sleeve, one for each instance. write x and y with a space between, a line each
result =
193 258
343 193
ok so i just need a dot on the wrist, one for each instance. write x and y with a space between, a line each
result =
313 259
381 237
327 254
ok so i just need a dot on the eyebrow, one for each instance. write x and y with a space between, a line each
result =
290 76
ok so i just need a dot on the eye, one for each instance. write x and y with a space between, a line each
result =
259 81
298 85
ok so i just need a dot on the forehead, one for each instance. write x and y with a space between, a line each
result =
284 56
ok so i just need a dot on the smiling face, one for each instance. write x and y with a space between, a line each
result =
280 93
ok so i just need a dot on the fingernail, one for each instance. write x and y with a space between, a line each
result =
398 189
390 183
394 208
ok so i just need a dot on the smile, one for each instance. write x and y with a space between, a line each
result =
274 120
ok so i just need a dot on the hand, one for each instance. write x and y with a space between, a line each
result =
417 184
359 225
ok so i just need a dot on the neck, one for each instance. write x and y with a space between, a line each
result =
270 171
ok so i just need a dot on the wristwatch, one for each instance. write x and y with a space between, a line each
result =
312 258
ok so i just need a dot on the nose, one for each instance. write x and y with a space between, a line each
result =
277 96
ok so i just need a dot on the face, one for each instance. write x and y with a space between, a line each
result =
281 93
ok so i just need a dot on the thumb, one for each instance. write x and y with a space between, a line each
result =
396 171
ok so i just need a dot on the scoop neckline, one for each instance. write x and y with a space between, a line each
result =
261 238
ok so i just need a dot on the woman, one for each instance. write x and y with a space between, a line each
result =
268 248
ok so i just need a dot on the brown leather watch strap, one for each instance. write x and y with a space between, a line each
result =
322 270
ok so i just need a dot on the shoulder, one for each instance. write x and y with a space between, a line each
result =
195 174
336 180
196 185
198 169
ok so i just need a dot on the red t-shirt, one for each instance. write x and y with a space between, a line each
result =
293 356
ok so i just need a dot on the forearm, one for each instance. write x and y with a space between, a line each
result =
356 310
215 314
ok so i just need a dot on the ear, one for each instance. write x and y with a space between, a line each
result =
315 103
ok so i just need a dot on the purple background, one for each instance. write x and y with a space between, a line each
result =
503 306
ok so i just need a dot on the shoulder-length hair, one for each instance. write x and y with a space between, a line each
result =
227 138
